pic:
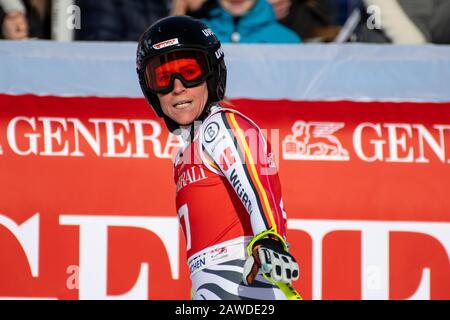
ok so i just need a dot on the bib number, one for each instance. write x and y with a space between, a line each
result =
183 213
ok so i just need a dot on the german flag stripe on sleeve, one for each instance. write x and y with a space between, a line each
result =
241 157
209 159
250 169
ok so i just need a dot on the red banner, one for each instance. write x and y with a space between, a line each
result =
87 198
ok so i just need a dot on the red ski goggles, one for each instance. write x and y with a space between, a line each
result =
189 66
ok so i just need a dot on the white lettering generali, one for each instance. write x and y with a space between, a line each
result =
93 248
124 138
396 136
374 251
388 142
118 138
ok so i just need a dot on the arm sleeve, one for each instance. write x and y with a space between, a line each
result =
236 147
396 23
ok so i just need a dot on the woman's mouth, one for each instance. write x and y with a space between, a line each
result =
182 104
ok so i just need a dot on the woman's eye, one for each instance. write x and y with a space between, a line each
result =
163 78
191 72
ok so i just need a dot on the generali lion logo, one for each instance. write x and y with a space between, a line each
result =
314 141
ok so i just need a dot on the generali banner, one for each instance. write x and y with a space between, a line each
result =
87 198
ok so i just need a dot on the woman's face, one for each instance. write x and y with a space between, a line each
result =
237 8
184 105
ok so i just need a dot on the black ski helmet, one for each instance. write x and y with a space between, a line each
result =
179 33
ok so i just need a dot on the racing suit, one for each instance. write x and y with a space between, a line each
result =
227 191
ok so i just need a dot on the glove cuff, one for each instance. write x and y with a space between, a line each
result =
269 236
269 243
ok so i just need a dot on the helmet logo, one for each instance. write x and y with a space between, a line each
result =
219 52
207 32
166 43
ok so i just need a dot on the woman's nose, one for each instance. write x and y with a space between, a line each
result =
178 86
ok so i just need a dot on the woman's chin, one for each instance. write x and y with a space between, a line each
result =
184 120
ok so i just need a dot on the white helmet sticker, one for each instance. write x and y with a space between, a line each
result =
166 43
208 32
219 52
